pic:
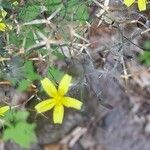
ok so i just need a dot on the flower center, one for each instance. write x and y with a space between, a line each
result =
58 99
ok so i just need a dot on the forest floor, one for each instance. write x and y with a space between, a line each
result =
108 57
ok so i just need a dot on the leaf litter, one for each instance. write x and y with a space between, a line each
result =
111 81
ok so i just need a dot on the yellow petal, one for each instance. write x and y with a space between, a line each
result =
58 114
49 87
3 110
64 84
128 2
2 27
142 5
45 105
71 102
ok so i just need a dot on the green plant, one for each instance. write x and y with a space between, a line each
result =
20 73
55 74
18 129
145 56
29 76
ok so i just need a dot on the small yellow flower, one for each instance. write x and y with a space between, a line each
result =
141 4
2 26
58 100
3 110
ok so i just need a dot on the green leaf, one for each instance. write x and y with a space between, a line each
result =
78 9
55 74
52 4
28 34
16 116
21 115
145 58
18 129
59 55
23 85
21 74
29 71
22 133
81 13
147 45
29 13
15 39
25 34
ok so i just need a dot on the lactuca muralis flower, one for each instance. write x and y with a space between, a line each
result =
3 26
141 4
58 99
3 110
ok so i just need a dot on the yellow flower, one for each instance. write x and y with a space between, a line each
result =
2 26
141 4
58 100
3 110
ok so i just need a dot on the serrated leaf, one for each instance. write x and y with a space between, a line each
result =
21 115
81 13
147 45
15 39
23 85
22 133
29 71
55 73
78 9
18 129
52 4
29 13
58 54
16 116
145 58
